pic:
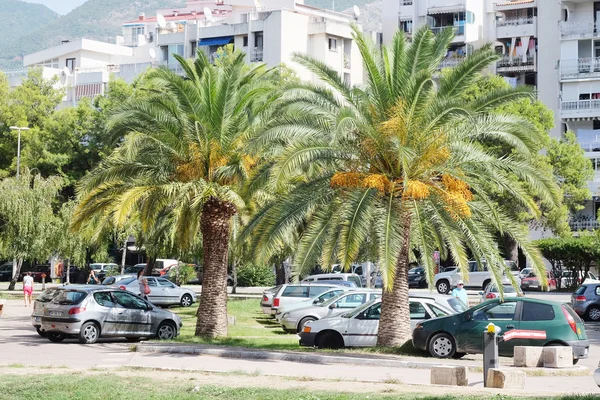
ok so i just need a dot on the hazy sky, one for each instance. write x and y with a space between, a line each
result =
60 6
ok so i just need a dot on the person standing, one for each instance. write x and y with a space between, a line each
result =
460 293
92 279
28 288
143 285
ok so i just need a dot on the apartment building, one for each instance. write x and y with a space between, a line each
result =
551 44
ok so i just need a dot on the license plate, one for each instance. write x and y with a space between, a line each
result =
38 319
534 286
55 313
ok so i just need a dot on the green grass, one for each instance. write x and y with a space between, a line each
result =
110 386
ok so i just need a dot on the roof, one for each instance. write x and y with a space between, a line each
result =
179 17
74 46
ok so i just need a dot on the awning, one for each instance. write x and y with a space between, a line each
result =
513 3
216 41
446 9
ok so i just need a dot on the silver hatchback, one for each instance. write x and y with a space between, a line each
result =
89 313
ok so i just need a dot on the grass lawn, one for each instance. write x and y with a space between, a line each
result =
108 386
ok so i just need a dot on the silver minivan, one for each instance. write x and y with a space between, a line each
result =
334 277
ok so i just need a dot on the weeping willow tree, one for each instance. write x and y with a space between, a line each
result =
27 218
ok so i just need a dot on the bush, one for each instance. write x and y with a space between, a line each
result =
182 274
255 275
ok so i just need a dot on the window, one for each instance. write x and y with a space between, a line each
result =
245 41
597 291
373 312
71 64
258 40
69 297
126 281
333 44
47 295
108 281
356 280
502 311
151 282
351 301
470 17
374 296
418 311
328 295
337 278
581 289
296 291
104 299
474 267
317 290
194 47
438 312
537 312
358 271
406 26
129 301
165 283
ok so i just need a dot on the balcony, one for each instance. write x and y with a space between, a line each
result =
580 68
580 109
584 225
516 64
450 62
589 141
458 29
515 27
173 66
583 29
256 54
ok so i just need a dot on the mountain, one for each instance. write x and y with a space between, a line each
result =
18 18
370 15
60 6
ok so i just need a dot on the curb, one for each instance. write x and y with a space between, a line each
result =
249 354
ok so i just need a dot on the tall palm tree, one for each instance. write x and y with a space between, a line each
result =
184 158
397 164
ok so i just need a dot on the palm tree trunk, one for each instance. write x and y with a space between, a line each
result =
149 266
512 249
394 324
15 278
215 226
124 256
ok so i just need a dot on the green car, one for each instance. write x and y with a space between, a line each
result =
459 334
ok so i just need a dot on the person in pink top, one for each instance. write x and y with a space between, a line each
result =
28 287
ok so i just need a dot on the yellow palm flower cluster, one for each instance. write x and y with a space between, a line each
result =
357 180
456 196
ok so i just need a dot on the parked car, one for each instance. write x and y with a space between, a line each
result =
100 269
586 301
456 335
532 282
358 328
525 273
491 292
162 291
117 279
38 307
164 265
91 312
417 278
570 278
133 270
267 300
478 277
334 277
289 294
36 272
6 270
294 321
446 301
320 299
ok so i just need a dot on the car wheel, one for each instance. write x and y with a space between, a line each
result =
132 339
443 286
593 313
304 321
186 300
442 346
329 340
89 333
40 331
55 337
166 331
485 283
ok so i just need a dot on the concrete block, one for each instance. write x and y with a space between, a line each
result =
449 375
503 378
558 357
529 356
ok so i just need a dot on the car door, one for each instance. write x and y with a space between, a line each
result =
346 303
537 317
170 292
156 295
469 335
363 327
110 325
130 315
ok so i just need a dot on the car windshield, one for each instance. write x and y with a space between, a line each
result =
457 305
48 295
127 281
511 265
416 270
109 281
68 297
331 300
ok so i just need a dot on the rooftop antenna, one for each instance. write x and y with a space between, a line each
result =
161 21
209 15
356 11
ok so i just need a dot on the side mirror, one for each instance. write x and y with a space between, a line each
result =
332 306
468 317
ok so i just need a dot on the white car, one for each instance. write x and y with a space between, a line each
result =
323 297
294 321
358 328
290 294
477 278
354 278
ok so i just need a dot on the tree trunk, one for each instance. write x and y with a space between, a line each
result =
234 276
149 266
394 324
512 249
68 279
212 311
124 256
17 272
280 278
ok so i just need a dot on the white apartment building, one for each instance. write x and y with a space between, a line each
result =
552 44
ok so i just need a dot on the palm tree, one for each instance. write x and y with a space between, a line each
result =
184 158
399 165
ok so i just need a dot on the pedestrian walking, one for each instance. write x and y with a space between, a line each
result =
143 285
28 288
460 293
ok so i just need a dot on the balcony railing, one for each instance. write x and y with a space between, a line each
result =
406 2
515 21
586 225
578 29
450 62
517 62
458 29
580 68
256 55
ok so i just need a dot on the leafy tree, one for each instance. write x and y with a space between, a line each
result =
27 218
399 162
184 158
71 245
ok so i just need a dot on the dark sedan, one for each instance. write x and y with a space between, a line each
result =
416 278
459 334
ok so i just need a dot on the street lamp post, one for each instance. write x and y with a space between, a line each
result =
17 128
